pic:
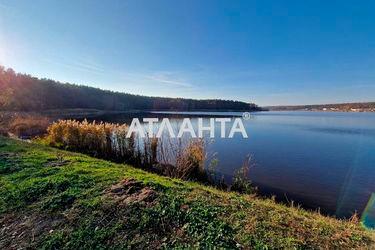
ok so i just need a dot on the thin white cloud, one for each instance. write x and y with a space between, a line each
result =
75 64
169 78
177 83
84 65
87 65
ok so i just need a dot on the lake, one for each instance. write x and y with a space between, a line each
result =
321 160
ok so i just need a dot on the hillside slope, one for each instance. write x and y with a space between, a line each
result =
57 199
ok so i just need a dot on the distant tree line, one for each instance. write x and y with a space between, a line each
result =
22 92
361 106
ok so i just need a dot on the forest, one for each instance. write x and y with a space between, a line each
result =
23 92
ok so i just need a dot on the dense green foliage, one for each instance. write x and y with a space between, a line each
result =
26 93
53 199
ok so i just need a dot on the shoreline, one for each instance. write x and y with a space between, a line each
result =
90 194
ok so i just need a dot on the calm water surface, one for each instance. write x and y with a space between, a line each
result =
321 160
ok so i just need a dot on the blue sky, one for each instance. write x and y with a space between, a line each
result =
267 52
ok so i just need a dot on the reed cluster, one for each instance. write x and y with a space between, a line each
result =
103 140
182 158
177 158
241 178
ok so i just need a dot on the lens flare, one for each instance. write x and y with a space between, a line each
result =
368 215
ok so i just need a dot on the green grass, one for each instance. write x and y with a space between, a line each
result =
53 199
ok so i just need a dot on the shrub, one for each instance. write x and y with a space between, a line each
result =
241 179
3 132
3 125
29 126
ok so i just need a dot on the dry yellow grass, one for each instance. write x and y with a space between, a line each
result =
179 158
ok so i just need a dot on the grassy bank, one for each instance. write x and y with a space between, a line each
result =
56 199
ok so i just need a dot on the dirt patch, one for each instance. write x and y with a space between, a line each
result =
131 191
7 155
22 232
57 162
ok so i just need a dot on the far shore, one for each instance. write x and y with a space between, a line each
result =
335 107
